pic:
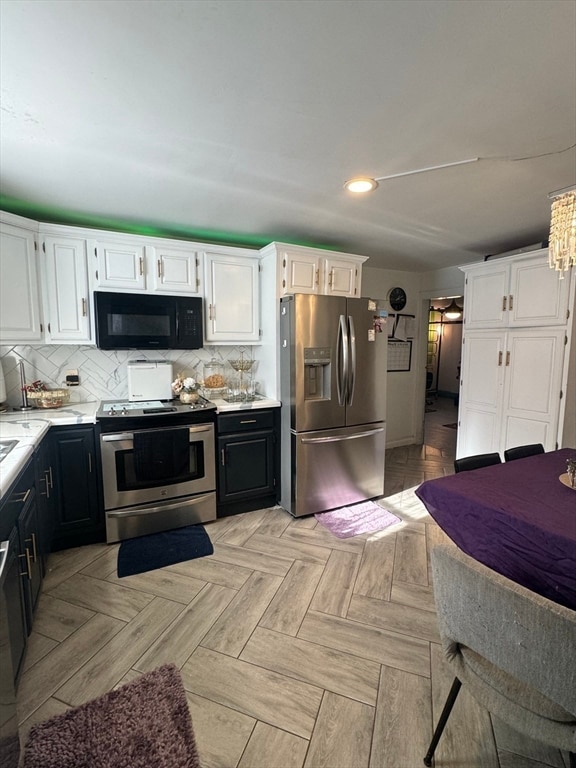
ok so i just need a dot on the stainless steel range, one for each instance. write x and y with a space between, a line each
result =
158 465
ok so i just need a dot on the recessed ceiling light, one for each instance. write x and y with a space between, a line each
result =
361 184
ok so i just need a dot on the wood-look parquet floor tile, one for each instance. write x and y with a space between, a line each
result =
296 649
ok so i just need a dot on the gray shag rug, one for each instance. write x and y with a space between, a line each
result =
144 724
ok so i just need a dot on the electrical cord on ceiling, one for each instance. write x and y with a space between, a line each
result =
544 154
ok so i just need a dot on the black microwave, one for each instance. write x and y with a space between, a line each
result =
145 321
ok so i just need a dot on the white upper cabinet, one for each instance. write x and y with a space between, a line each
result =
175 270
135 263
232 297
314 270
20 306
519 291
120 264
65 273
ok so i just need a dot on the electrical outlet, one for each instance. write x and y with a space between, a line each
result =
72 378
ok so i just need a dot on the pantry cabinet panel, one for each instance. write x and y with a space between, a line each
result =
67 292
20 307
532 384
486 296
232 303
175 270
520 291
120 265
537 296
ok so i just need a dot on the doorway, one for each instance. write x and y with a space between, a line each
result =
444 344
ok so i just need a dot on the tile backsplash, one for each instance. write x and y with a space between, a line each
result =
102 373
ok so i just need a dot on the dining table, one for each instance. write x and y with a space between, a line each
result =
517 517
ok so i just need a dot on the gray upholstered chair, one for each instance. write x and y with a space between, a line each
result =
514 650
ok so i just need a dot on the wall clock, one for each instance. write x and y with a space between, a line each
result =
397 298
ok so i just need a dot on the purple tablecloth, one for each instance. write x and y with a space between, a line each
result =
517 518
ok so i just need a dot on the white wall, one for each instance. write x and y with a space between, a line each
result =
401 418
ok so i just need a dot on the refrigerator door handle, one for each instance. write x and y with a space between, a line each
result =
337 439
342 361
352 362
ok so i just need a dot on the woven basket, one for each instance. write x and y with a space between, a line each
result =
50 398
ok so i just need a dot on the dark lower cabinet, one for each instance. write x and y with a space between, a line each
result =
19 527
247 460
15 605
46 498
76 471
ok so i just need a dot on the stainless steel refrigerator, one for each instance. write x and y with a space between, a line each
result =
333 391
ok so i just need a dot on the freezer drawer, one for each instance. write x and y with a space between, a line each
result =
334 467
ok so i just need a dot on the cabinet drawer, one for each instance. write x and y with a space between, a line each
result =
239 422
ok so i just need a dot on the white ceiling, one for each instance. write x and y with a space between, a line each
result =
240 120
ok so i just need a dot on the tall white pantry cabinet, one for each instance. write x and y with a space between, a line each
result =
514 387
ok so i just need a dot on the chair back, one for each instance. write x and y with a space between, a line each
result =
477 461
522 451
520 632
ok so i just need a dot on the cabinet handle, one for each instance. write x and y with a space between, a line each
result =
159 268
50 474
32 539
503 303
84 313
500 358
89 462
28 571
510 302
507 358
330 278
248 421
317 276
141 260
222 459
23 496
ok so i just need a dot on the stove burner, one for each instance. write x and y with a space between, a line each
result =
151 408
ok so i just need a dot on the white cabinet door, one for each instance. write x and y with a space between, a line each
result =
537 296
340 277
232 305
480 401
175 270
20 317
531 398
66 277
120 265
520 291
300 272
486 296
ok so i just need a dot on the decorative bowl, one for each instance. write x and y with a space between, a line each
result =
49 398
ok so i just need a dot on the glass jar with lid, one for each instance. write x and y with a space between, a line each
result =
214 375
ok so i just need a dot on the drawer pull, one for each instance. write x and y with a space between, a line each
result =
34 550
222 459
24 496
28 571
248 421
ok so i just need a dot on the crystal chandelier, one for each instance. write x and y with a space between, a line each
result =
562 241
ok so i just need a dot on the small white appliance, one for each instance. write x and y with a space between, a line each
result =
149 380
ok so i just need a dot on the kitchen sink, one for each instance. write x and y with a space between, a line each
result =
5 447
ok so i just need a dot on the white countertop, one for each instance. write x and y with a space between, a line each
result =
29 427
222 406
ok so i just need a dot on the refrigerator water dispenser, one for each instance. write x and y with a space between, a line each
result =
317 369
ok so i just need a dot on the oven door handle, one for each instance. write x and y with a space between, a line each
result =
151 510
118 437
